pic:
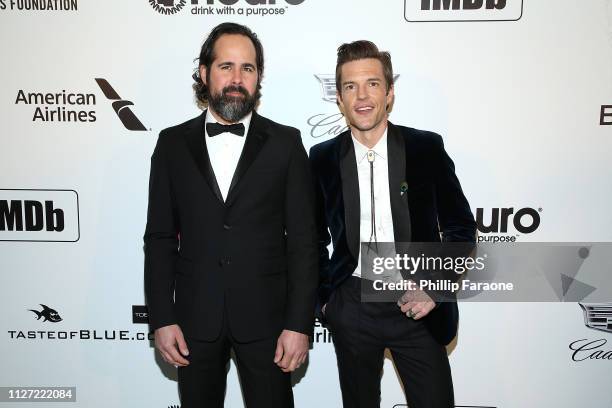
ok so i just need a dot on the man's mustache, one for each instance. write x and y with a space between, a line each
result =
235 88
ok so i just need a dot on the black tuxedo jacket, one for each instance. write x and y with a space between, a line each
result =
251 259
433 208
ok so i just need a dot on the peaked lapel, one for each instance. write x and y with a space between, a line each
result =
350 192
255 139
396 148
196 143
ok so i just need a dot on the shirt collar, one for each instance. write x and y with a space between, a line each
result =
246 121
380 148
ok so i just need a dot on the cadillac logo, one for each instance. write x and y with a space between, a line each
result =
598 316
328 86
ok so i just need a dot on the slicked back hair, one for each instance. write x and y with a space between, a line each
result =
363 49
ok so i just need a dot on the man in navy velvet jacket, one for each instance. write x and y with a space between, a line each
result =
385 183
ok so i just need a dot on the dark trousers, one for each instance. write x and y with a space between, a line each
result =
362 332
202 383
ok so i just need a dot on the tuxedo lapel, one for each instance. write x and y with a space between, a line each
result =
350 192
255 139
196 142
398 188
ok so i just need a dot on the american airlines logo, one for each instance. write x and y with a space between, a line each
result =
462 10
121 106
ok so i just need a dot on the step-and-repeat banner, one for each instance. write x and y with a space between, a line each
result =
521 91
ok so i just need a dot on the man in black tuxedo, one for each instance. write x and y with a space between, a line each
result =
230 242
379 182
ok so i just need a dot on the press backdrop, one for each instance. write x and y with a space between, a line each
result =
518 89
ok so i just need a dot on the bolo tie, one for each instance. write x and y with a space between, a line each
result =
371 156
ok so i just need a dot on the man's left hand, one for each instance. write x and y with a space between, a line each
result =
416 304
291 350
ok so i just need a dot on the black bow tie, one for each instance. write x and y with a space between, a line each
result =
214 129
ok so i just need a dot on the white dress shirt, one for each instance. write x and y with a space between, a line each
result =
224 151
382 199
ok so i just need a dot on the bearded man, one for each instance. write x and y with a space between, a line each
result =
230 241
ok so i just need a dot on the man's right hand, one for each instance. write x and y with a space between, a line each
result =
323 309
171 344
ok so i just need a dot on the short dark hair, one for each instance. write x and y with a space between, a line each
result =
363 49
207 57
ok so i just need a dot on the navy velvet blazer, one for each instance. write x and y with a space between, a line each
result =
433 209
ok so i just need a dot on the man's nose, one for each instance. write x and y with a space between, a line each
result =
361 92
237 76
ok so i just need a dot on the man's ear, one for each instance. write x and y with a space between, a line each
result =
390 98
339 102
203 74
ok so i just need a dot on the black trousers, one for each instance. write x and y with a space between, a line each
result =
202 383
362 332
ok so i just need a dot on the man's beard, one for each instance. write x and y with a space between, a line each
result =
232 108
